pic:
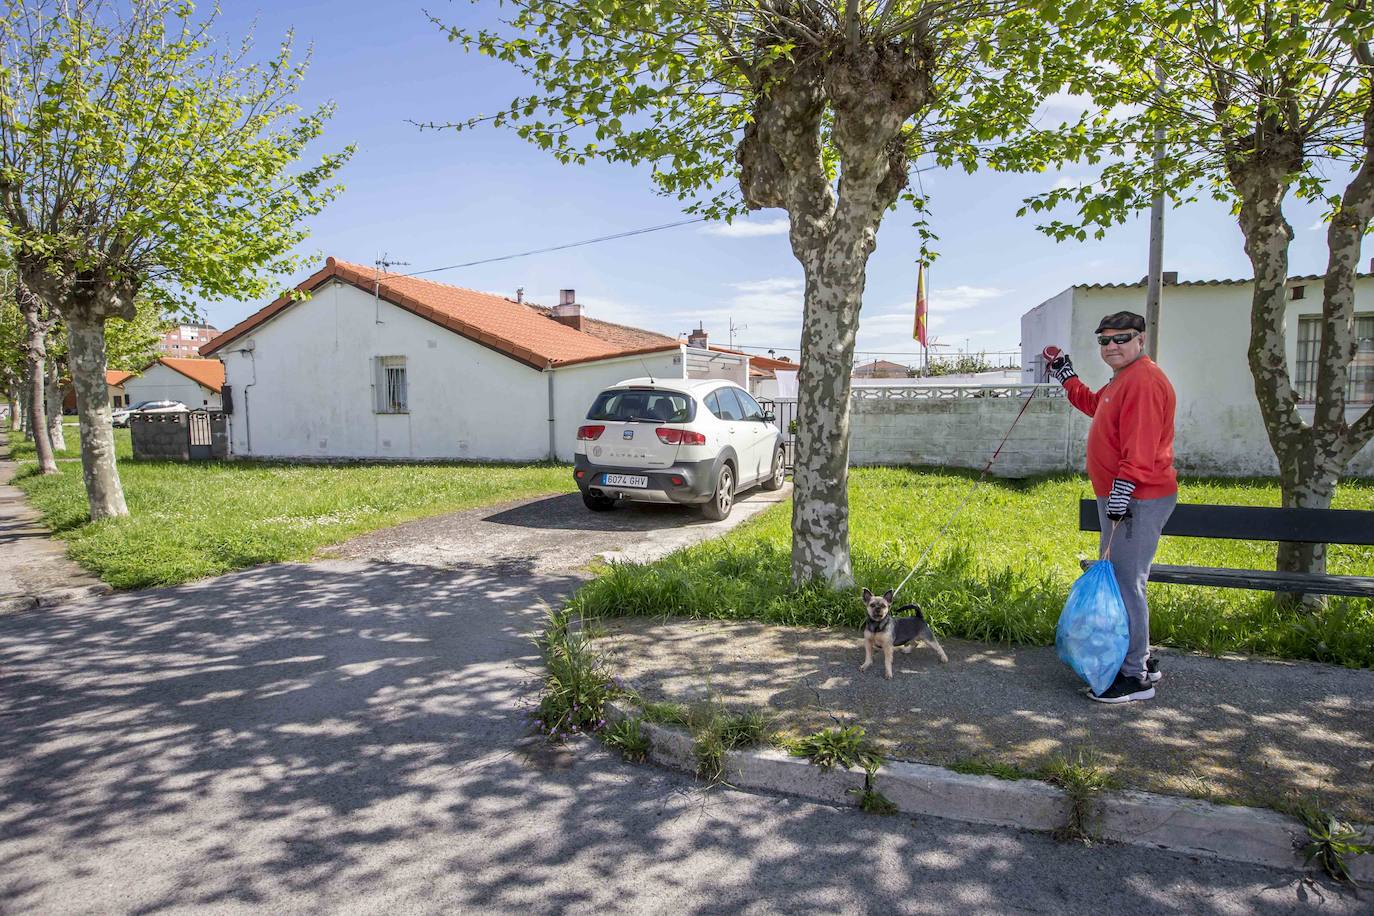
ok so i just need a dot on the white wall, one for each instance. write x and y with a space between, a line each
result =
1204 334
1047 323
704 364
160 383
576 387
306 389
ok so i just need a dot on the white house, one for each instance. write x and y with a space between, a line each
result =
405 368
1204 335
197 383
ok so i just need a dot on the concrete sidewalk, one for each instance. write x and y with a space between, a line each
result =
34 568
1227 730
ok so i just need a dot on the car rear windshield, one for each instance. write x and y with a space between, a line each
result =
641 405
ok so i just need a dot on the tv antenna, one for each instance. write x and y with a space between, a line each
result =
383 265
733 328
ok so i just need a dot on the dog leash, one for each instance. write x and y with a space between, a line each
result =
960 508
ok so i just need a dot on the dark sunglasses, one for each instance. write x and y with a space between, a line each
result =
1104 339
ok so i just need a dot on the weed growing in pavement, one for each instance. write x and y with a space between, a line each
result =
1332 843
838 747
628 737
717 731
1082 778
578 683
872 801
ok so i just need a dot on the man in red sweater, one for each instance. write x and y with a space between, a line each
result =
1131 465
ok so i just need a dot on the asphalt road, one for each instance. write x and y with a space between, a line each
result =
351 737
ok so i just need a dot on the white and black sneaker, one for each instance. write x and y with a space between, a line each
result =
1152 672
1125 690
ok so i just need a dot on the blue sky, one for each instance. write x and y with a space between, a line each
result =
439 198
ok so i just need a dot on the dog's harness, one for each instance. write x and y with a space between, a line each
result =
905 629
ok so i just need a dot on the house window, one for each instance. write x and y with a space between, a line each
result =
1360 389
390 385
1299 292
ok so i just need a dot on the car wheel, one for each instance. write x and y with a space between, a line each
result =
775 479
723 500
598 503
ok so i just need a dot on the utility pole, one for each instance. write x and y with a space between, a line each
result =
1154 284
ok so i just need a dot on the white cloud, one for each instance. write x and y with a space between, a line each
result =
1318 226
746 228
1069 183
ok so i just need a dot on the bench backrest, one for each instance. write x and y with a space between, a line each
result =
1257 523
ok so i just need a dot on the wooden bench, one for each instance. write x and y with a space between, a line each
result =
1259 523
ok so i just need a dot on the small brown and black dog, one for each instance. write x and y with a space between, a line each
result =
886 631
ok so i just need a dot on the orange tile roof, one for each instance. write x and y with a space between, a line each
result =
116 377
207 372
522 332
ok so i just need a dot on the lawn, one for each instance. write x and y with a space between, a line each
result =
21 448
206 518
1000 574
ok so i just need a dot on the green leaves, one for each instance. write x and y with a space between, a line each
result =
184 156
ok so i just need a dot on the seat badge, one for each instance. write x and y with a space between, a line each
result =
629 434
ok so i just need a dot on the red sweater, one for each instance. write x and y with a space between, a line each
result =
1132 434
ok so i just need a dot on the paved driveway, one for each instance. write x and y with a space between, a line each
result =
350 736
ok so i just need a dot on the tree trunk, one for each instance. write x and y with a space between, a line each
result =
820 505
14 410
53 393
86 354
35 358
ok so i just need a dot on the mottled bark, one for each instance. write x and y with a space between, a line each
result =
1311 457
52 392
35 367
86 353
85 300
871 93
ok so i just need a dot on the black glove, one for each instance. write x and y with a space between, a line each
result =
1119 500
1061 368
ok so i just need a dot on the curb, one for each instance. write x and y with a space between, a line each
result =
51 599
1253 836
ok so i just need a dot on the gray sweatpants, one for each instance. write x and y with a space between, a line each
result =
1133 550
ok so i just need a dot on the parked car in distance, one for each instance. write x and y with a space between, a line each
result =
121 415
696 442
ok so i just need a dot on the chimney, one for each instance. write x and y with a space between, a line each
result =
697 338
1169 278
567 311
520 294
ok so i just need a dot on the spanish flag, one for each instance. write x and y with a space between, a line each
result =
919 331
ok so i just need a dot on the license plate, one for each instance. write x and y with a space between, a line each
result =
626 480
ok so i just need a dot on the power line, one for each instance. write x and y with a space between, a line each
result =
525 254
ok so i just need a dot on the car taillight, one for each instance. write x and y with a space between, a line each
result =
590 432
669 435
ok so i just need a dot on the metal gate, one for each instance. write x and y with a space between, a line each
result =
200 434
784 412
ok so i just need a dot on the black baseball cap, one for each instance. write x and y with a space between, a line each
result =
1129 321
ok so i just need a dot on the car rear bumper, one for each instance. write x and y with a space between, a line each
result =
698 481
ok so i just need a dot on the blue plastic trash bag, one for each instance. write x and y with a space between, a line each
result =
1094 633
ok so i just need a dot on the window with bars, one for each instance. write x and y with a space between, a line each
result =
390 384
1361 386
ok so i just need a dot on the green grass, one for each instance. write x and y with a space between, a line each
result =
21 447
1000 574
206 518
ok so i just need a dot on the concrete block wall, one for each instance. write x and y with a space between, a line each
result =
965 431
161 436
